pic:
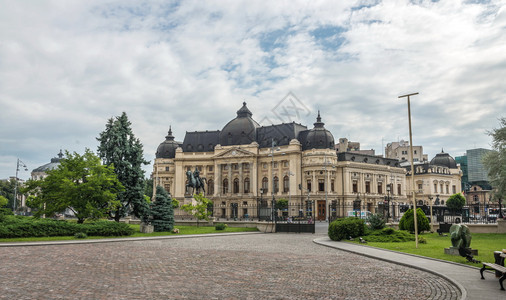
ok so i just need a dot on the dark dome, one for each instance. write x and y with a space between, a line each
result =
319 137
444 159
167 148
55 162
241 130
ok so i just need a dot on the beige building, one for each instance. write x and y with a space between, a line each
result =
246 166
401 151
436 180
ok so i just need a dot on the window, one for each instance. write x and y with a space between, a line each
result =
355 186
246 185
285 164
286 184
167 169
321 185
420 187
276 184
225 186
275 164
167 187
245 166
454 189
380 188
399 189
210 187
441 190
332 185
236 185
368 187
309 184
225 167
210 168
447 189
475 198
435 188
264 165
415 153
265 184
234 166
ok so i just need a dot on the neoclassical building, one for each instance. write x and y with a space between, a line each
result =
246 166
436 180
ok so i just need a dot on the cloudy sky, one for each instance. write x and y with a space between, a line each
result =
68 66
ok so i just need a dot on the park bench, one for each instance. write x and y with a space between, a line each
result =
444 228
500 270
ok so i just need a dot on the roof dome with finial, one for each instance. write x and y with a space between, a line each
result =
318 137
241 130
167 149
444 159
55 162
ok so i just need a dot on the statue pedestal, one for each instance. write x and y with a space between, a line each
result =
455 251
144 228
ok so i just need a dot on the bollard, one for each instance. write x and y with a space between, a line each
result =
499 261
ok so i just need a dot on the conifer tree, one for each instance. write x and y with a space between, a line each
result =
495 161
162 211
119 147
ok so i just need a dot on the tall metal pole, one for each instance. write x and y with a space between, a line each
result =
412 166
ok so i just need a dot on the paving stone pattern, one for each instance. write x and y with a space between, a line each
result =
260 266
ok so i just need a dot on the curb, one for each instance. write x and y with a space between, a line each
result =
115 240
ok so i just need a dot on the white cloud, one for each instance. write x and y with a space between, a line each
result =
66 67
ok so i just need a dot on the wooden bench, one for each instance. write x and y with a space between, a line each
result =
497 268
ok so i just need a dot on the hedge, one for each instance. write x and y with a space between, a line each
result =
18 227
345 228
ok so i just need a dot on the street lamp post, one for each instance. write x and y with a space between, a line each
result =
19 163
357 206
412 166
272 170
387 199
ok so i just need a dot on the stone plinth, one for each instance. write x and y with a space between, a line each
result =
455 251
145 228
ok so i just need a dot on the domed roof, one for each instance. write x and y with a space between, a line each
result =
319 137
55 162
241 130
167 149
444 159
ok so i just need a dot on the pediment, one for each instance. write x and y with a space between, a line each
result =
234 153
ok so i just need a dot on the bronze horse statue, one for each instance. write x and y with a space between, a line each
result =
195 181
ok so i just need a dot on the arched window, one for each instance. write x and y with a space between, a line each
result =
210 187
236 185
246 185
286 184
265 184
276 184
225 186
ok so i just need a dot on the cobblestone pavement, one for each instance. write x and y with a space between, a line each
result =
258 266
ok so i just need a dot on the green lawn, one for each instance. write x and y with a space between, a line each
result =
183 230
486 243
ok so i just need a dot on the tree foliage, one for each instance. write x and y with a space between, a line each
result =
80 183
407 221
162 211
7 190
119 147
199 209
281 204
456 202
495 161
3 201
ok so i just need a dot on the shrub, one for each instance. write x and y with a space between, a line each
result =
376 222
422 240
80 235
389 235
344 228
220 226
407 221
19 226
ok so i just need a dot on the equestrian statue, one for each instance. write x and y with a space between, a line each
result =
195 181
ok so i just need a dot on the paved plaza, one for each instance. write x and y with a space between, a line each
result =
249 266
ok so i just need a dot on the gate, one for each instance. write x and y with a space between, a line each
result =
296 218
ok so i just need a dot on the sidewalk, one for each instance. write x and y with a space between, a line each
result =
466 278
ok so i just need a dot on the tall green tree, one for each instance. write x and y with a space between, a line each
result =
456 202
80 183
407 221
200 208
119 147
162 211
495 161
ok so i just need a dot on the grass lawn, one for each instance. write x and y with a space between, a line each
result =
486 243
183 230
